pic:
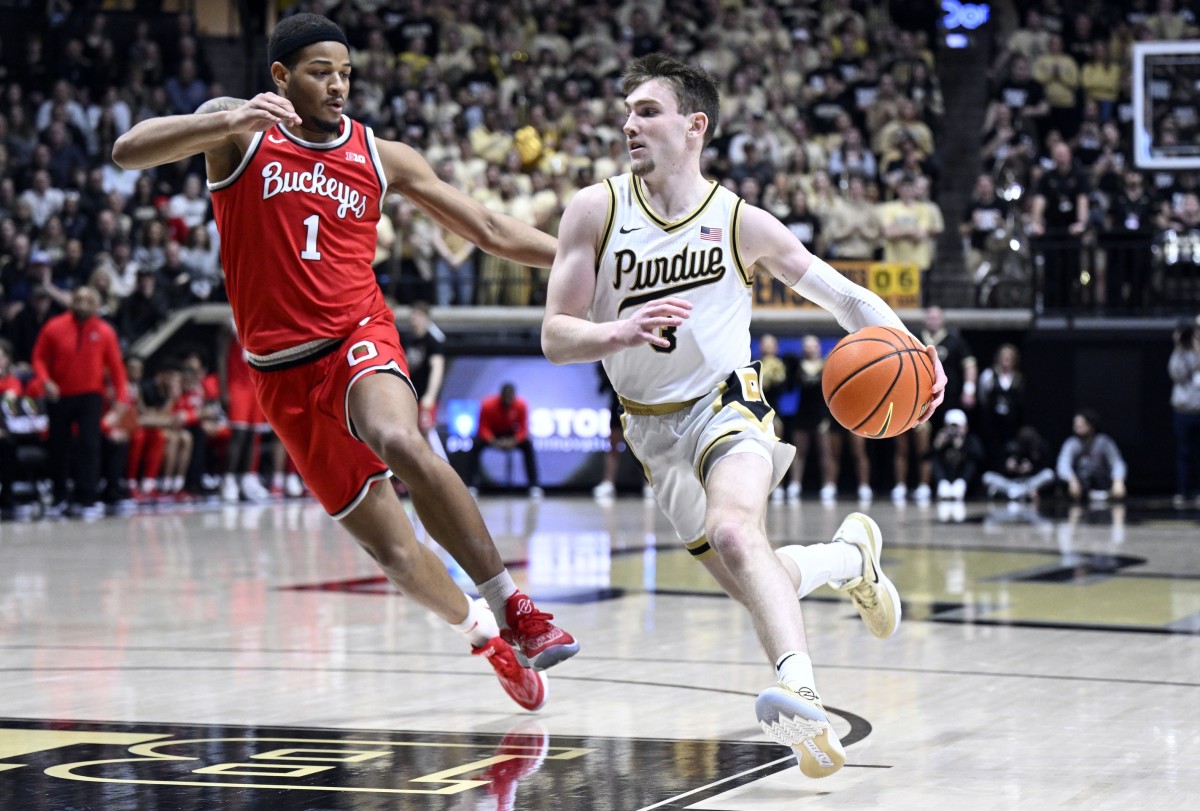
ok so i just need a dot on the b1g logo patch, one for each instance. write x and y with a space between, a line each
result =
363 350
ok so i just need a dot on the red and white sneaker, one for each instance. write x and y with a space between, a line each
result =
524 686
536 641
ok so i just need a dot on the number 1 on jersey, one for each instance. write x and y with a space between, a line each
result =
310 251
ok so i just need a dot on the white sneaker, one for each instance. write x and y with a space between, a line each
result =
777 495
91 512
604 490
793 492
536 493
828 492
900 493
230 493
921 494
797 719
945 490
1098 495
252 488
872 592
865 493
647 493
293 486
958 490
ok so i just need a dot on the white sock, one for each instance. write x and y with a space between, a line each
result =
479 626
821 563
497 591
794 671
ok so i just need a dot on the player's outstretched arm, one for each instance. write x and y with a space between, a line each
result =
568 336
410 174
766 243
220 128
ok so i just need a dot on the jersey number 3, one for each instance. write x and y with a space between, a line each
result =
669 334
313 224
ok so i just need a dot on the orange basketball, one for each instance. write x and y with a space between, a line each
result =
878 382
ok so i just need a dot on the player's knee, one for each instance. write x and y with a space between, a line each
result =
402 447
396 559
731 539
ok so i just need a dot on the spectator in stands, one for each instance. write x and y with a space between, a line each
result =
11 390
1024 96
202 262
984 228
1129 230
23 328
185 89
1059 76
1090 462
247 425
71 356
1001 402
910 228
1058 219
143 309
961 377
1100 79
957 456
1184 369
160 396
853 229
913 128
1024 470
44 199
804 223
852 157
191 204
1166 23
1031 41
426 353
101 281
41 271
504 424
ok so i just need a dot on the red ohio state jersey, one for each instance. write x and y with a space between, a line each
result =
297 223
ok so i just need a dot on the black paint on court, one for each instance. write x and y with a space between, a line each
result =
86 766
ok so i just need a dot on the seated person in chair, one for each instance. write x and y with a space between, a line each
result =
504 424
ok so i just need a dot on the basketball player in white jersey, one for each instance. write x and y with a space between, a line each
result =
653 277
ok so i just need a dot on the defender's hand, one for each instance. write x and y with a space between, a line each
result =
647 324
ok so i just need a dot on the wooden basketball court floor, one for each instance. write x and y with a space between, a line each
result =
250 658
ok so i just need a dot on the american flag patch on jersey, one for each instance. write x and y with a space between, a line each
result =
711 234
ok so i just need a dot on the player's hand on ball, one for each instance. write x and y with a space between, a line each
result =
648 324
939 384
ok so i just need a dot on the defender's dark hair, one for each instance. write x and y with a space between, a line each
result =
695 89
297 32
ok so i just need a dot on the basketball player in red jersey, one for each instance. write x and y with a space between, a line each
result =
296 189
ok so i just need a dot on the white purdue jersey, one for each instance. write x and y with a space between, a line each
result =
643 258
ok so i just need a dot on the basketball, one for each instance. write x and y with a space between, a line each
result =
878 382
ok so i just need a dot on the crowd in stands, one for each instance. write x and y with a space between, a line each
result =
831 117
515 102
1057 144
980 442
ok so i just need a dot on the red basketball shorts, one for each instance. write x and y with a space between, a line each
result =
309 408
244 410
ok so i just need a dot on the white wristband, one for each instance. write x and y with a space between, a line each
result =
969 388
